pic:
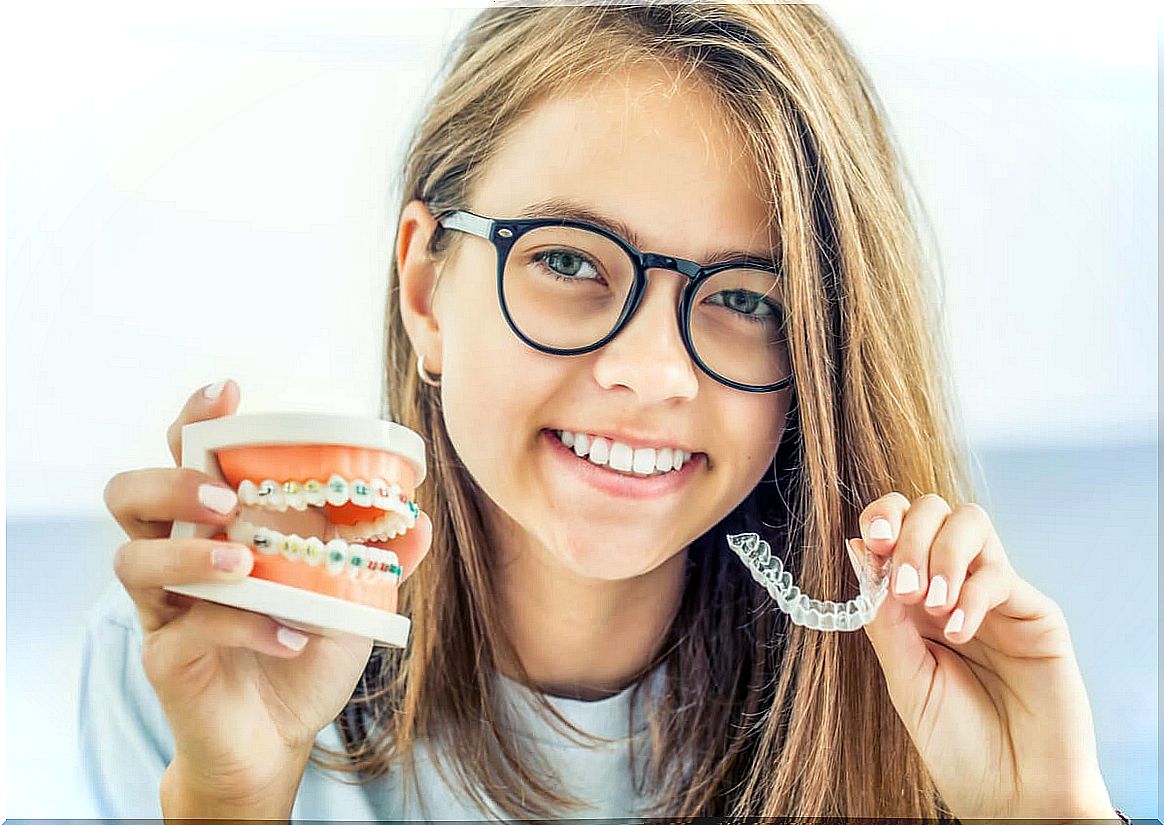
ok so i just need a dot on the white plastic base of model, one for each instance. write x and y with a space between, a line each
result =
304 609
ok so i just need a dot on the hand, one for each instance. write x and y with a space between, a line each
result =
997 709
244 708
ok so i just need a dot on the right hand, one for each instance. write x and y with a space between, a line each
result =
244 709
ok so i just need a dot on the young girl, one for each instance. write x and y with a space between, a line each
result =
584 642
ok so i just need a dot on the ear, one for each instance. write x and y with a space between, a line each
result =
416 279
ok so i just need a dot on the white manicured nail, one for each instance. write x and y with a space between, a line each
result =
956 620
938 592
907 581
214 390
289 638
218 499
879 528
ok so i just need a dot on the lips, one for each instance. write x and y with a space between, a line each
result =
614 483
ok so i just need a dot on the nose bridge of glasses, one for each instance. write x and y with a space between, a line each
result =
689 269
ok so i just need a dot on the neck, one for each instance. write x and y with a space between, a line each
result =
579 637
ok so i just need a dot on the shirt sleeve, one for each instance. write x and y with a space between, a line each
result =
124 739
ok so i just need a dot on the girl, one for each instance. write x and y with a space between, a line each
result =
584 642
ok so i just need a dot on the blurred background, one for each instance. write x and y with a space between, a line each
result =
205 192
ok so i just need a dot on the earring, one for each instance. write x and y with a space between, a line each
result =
424 376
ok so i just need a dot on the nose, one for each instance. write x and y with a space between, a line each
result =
647 355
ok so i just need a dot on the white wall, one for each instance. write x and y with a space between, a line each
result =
204 192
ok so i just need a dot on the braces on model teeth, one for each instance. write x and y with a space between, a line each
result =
337 556
768 570
400 516
328 509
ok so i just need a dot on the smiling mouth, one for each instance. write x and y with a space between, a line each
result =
621 458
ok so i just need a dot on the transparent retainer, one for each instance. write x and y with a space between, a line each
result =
769 572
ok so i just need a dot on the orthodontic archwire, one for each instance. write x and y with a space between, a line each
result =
768 571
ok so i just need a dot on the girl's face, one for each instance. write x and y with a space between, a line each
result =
658 159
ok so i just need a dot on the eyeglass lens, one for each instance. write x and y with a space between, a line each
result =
566 287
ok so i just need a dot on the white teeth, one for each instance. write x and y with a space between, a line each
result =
381 494
372 564
337 556
314 493
241 532
360 492
357 560
644 461
313 551
293 494
264 540
291 547
248 493
337 491
390 566
621 457
387 526
270 495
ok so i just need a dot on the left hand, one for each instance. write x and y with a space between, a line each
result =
997 709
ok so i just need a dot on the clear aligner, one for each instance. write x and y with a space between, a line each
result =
768 570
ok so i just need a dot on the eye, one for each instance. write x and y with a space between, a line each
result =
745 303
567 264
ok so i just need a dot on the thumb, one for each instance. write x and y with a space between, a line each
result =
904 655
212 401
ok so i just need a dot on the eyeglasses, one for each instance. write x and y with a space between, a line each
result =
568 287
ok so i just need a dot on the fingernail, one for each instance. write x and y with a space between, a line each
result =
214 390
229 558
879 528
906 579
938 592
955 623
289 638
219 499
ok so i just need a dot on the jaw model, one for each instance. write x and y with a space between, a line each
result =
324 503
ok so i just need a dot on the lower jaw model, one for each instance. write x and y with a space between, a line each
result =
322 504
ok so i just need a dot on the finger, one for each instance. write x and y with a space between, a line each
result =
411 547
146 502
880 522
984 590
905 658
144 565
169 653
909 576
212 401
955 553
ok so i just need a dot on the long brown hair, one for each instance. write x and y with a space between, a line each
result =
757 716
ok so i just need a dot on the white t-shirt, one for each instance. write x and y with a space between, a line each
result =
126 743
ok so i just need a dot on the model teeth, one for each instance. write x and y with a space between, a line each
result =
376 494
645 461
339 557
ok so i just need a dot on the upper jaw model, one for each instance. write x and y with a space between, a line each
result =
324 503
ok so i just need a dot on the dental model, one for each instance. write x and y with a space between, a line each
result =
768 570
321 500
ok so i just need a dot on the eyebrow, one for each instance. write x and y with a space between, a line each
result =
567 209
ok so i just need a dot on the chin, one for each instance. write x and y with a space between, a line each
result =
609 561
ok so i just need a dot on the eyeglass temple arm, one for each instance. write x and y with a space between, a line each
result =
468 222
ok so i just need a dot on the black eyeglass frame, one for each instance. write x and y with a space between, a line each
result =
503 233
